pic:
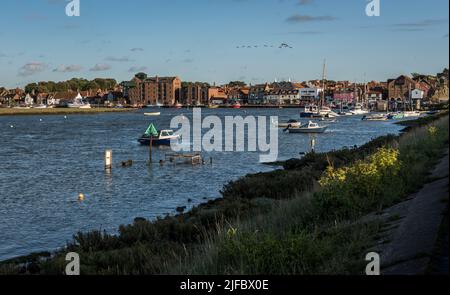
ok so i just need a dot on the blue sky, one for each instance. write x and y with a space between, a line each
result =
198 39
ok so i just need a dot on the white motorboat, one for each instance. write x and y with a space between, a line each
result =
411 114
311 127
310 111
359 110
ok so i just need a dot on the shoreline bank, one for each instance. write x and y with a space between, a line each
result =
60 111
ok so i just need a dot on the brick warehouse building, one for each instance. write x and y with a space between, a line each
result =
194 94
401 87
143 90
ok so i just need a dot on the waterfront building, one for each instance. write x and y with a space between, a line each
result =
238 94
3 96
400 88
258 92
217 95
12 96
310 94
194 93
63 98
344 96
143 90
282 97
126 87
162 90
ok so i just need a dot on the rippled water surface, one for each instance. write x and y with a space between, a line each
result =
44 165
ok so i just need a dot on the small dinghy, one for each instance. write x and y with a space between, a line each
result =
311 127
154 114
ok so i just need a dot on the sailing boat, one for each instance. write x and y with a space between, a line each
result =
79 103
157 105
312 111
358 109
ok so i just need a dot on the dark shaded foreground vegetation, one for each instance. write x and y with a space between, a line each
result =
302 219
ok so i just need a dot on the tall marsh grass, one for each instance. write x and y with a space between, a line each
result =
320 232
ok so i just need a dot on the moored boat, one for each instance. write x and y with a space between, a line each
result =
411 114
375 117
309 111
311 127
236 106
152 114
359 110
158 138
288 124
396 116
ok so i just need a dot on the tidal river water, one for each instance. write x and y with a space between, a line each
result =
46 161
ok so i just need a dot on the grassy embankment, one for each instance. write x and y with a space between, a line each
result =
303 219
58 111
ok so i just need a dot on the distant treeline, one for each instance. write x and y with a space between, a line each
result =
74 84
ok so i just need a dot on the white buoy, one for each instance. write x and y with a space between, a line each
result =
65 117
12 126
40 120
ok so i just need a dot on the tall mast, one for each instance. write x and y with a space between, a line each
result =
323 82
365 98
410 98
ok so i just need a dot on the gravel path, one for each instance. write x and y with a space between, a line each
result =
406 248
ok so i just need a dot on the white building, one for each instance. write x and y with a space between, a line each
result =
310 93
417 94
29 101
282 97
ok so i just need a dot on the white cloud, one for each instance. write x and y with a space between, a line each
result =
32 68
68 69
100 67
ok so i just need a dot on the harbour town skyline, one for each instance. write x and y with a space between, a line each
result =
259 42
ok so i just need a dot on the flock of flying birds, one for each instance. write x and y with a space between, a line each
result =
283 45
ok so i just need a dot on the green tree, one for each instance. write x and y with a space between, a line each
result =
31 87
237 84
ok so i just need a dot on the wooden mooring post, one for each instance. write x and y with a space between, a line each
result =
151 151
